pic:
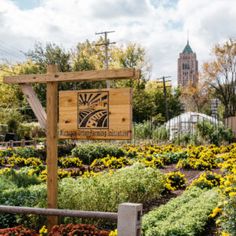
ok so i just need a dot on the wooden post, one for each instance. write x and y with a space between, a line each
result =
52 152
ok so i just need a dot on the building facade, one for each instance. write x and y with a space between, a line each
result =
187 67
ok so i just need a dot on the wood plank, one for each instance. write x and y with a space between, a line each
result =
35 104
94 75
52 152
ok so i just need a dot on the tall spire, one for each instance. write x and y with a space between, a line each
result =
188 37
187 49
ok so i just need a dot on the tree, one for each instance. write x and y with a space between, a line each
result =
175 107
50 54
195 97
221 75
86 56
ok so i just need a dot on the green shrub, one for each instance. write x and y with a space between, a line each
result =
30 131
33 196
183 216
143 130
26 152
65 149
214 133
21 179
161 134
2 161
6 153
103 192
89 152
6 183
173 157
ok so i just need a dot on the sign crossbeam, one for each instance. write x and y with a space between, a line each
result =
94 75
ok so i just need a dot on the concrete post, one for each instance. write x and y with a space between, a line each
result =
129 219
11 143
22 142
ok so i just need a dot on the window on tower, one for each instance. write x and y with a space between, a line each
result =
185 66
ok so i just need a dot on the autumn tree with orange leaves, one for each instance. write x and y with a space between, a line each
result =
221 75
195 97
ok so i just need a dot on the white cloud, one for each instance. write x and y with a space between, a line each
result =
160 26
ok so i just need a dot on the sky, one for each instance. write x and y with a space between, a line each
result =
160 26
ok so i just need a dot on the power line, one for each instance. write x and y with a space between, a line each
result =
11 52
9 47
106 43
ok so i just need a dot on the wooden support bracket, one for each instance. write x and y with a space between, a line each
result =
35 104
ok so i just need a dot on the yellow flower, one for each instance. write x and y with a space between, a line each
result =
225 234
113 233
232 194
215 212
43 231
218 222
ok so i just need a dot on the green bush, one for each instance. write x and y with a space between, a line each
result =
173 157
30 130
183 216
21 179
161 134
6 153
26 152
6 183
143 130
214 133
33 196
89 152
103 192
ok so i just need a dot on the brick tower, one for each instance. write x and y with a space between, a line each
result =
187 67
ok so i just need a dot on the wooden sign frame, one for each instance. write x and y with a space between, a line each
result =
49 119
101 114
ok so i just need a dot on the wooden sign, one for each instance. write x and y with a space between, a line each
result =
95 114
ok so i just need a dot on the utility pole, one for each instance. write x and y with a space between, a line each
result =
106 44
163 78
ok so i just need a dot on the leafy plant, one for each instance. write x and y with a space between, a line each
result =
103 192
184 215
89 152
214 133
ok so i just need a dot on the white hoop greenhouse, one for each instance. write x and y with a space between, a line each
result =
186 123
